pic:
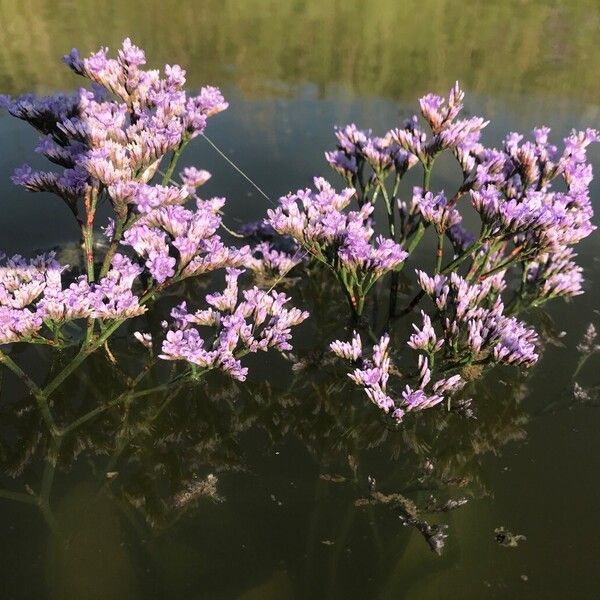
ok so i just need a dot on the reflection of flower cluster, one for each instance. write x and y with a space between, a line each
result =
258 321
372 375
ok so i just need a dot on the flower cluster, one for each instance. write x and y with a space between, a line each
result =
114 148
175 241
372 375
532 197
257 321
362 158
32 296
342 240
110 143
436 210
448 132
553 275
473 325
117 144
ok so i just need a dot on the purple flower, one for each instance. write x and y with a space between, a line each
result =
193 178
160 265
437 113
130 55
118 143
257 322
348 350
425 339
473 325
345 165
461 136
436 209
372 375
555 275
342 240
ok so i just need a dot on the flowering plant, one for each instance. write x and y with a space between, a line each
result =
533 204
119 143
109 143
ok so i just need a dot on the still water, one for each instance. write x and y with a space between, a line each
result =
266 490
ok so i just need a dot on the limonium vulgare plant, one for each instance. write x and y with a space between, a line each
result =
119 143
534 206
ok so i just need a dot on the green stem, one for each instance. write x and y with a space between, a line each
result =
478 266
375 195
389 208
360 304
173 162
114 245
416 238
426 177
439 253
460 259
95 343
40 395
91 200
457 261
347 292
396 186
513 257
85 351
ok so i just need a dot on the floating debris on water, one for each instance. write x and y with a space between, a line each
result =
505 538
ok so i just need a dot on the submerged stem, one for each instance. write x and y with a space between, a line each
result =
85 351
40 395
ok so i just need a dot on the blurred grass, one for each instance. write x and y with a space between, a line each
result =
394 48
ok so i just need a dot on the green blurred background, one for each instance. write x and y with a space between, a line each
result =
393 48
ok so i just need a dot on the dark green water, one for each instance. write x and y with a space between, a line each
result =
291 453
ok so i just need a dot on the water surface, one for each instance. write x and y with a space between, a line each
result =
257 491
